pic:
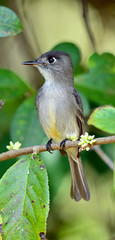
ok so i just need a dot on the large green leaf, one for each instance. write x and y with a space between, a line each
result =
10 24
12 86
104 119
24 199
99 83
70 48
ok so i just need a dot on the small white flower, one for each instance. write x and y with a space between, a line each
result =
13 146
87 148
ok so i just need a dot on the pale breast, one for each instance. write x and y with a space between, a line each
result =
56 112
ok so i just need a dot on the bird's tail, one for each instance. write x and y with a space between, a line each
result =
79 187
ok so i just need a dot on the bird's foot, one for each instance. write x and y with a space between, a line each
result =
48 145
62 144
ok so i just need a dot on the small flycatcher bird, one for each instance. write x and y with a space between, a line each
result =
61 113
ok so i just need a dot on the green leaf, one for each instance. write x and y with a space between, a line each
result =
72 49
12 86
25 126
98 84
57 166
24 199
10 24
104 119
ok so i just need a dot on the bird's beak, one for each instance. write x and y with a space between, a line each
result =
35 62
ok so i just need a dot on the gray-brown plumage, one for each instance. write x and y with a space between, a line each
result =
60 112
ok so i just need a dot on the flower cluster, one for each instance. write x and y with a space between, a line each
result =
86 141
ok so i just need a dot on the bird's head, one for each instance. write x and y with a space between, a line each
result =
54 66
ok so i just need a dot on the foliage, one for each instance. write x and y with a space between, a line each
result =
12 86
104 119
10 24
98 84
24 199
24 196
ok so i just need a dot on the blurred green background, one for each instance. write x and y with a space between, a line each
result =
46 24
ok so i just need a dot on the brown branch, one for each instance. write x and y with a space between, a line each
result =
104 157
55 146
85 15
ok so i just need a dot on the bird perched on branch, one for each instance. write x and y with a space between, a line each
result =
60 112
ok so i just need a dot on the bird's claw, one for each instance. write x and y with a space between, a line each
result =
48 146
62 144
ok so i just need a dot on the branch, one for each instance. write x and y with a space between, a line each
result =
85 15
55 146
104 157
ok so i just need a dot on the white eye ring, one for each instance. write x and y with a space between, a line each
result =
51 59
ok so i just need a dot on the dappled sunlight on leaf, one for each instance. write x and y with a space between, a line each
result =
10 24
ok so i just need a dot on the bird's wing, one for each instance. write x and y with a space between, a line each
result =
79 111
79 116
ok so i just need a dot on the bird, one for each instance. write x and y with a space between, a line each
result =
60 112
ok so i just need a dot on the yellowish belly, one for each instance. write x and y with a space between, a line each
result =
53 131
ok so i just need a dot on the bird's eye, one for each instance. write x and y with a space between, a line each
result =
51 59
